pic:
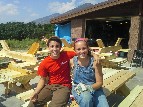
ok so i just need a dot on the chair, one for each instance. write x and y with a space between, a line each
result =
137 58
4 45
100 43
34 48
118 41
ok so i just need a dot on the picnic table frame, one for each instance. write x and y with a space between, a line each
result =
12 75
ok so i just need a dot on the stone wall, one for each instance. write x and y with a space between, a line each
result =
77 28
141 35
135 34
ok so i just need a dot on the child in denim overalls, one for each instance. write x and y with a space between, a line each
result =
87 77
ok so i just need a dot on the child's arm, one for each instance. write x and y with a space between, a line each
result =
98 76
96 57
40 85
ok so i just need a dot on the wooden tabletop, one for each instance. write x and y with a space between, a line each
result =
115 79
124 50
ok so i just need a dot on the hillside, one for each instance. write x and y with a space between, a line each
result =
46 19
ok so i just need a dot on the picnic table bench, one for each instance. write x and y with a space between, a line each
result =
12 75
113 81
134 99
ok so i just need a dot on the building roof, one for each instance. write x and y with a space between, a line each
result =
69 15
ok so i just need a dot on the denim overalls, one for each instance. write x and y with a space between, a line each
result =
86 75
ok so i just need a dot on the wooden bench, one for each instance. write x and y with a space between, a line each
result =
134 99
113 81
12 75
25 96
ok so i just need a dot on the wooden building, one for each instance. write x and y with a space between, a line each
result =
109 19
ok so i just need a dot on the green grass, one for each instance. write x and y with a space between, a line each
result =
24 44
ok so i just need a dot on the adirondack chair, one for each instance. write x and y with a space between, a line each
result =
118 41
66 44
4 45
12 75
33 49
100 43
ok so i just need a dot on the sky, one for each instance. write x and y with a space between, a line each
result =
29 10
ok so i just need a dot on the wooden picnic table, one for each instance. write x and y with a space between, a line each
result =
12 75
134 99
113 81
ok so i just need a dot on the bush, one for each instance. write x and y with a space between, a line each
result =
25 44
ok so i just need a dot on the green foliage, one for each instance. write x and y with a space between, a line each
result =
21 30
25 44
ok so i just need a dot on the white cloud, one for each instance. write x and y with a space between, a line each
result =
91 1
27 9
34 15
61 7
16 1
8 9
88 1
30 12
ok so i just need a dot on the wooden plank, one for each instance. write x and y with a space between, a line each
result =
74 104
127 102
25 104
118 60
119 81
118 42
100 43
109 49
34 48
25 95
113 78
66 44
4 45
113 83
139 100
110 74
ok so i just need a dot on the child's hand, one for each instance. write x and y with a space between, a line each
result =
34 97
97 59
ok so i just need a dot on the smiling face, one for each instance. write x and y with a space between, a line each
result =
81 49
54 48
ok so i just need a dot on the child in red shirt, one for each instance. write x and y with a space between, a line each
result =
56 68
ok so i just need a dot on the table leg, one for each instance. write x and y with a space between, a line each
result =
27 86
7 86
124 90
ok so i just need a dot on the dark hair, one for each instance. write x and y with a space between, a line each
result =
54 38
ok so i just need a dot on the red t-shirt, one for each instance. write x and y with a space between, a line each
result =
58 70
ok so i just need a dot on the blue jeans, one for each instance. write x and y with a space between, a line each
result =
87 99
